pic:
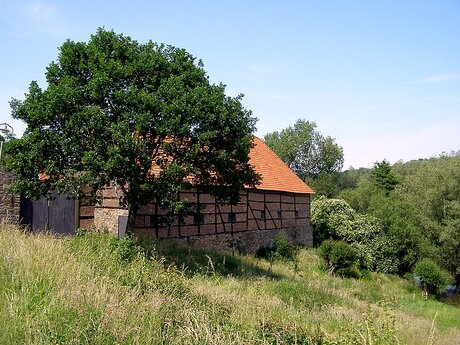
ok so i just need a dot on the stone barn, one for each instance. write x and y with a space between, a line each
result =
280 202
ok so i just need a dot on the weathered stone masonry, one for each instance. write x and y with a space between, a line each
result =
9 203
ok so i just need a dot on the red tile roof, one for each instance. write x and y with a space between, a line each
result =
275 174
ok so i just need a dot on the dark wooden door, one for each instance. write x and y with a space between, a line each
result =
56 214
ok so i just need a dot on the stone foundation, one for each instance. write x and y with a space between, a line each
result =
246 242
9 203
107 218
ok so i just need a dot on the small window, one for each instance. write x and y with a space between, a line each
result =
156 221
297 214
280 214
198 219
231 217
262 215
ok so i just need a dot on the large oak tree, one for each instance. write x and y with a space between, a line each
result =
113 108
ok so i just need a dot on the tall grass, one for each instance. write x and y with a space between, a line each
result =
93 289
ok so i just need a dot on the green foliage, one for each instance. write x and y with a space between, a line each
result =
378 194
325 184
433 188
340 258
335 219
383 178
113 107
449 237
349 272
358 197
397 219
380 254
284 247
372 197
433 278
307 152
124 248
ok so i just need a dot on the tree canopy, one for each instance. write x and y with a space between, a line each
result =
417 207
306 151
334 219
383 177
113 108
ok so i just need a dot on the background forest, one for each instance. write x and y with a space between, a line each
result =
392 215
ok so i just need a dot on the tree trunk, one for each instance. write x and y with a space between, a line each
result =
133 202
133 208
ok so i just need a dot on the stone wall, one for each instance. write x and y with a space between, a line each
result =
106 219
9 203
246 242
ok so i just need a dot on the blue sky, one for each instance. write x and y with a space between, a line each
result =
382 77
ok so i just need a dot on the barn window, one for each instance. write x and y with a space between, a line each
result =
198 219
262 214
280 214
157 221
231 217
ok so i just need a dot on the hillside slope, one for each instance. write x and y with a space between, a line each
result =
93 289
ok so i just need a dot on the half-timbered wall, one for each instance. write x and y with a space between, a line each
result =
86 207
255 218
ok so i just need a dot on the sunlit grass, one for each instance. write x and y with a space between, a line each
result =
85 290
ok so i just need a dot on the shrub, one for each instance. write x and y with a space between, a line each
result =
334 218
409 276
340 258
349 272
284 247
264 252
124 248
377 250
433 279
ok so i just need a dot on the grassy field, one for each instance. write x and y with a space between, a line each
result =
93 289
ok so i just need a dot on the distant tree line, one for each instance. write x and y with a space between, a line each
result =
393 216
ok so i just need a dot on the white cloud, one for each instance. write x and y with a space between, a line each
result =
437 78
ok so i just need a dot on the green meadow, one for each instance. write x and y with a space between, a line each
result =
94 289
